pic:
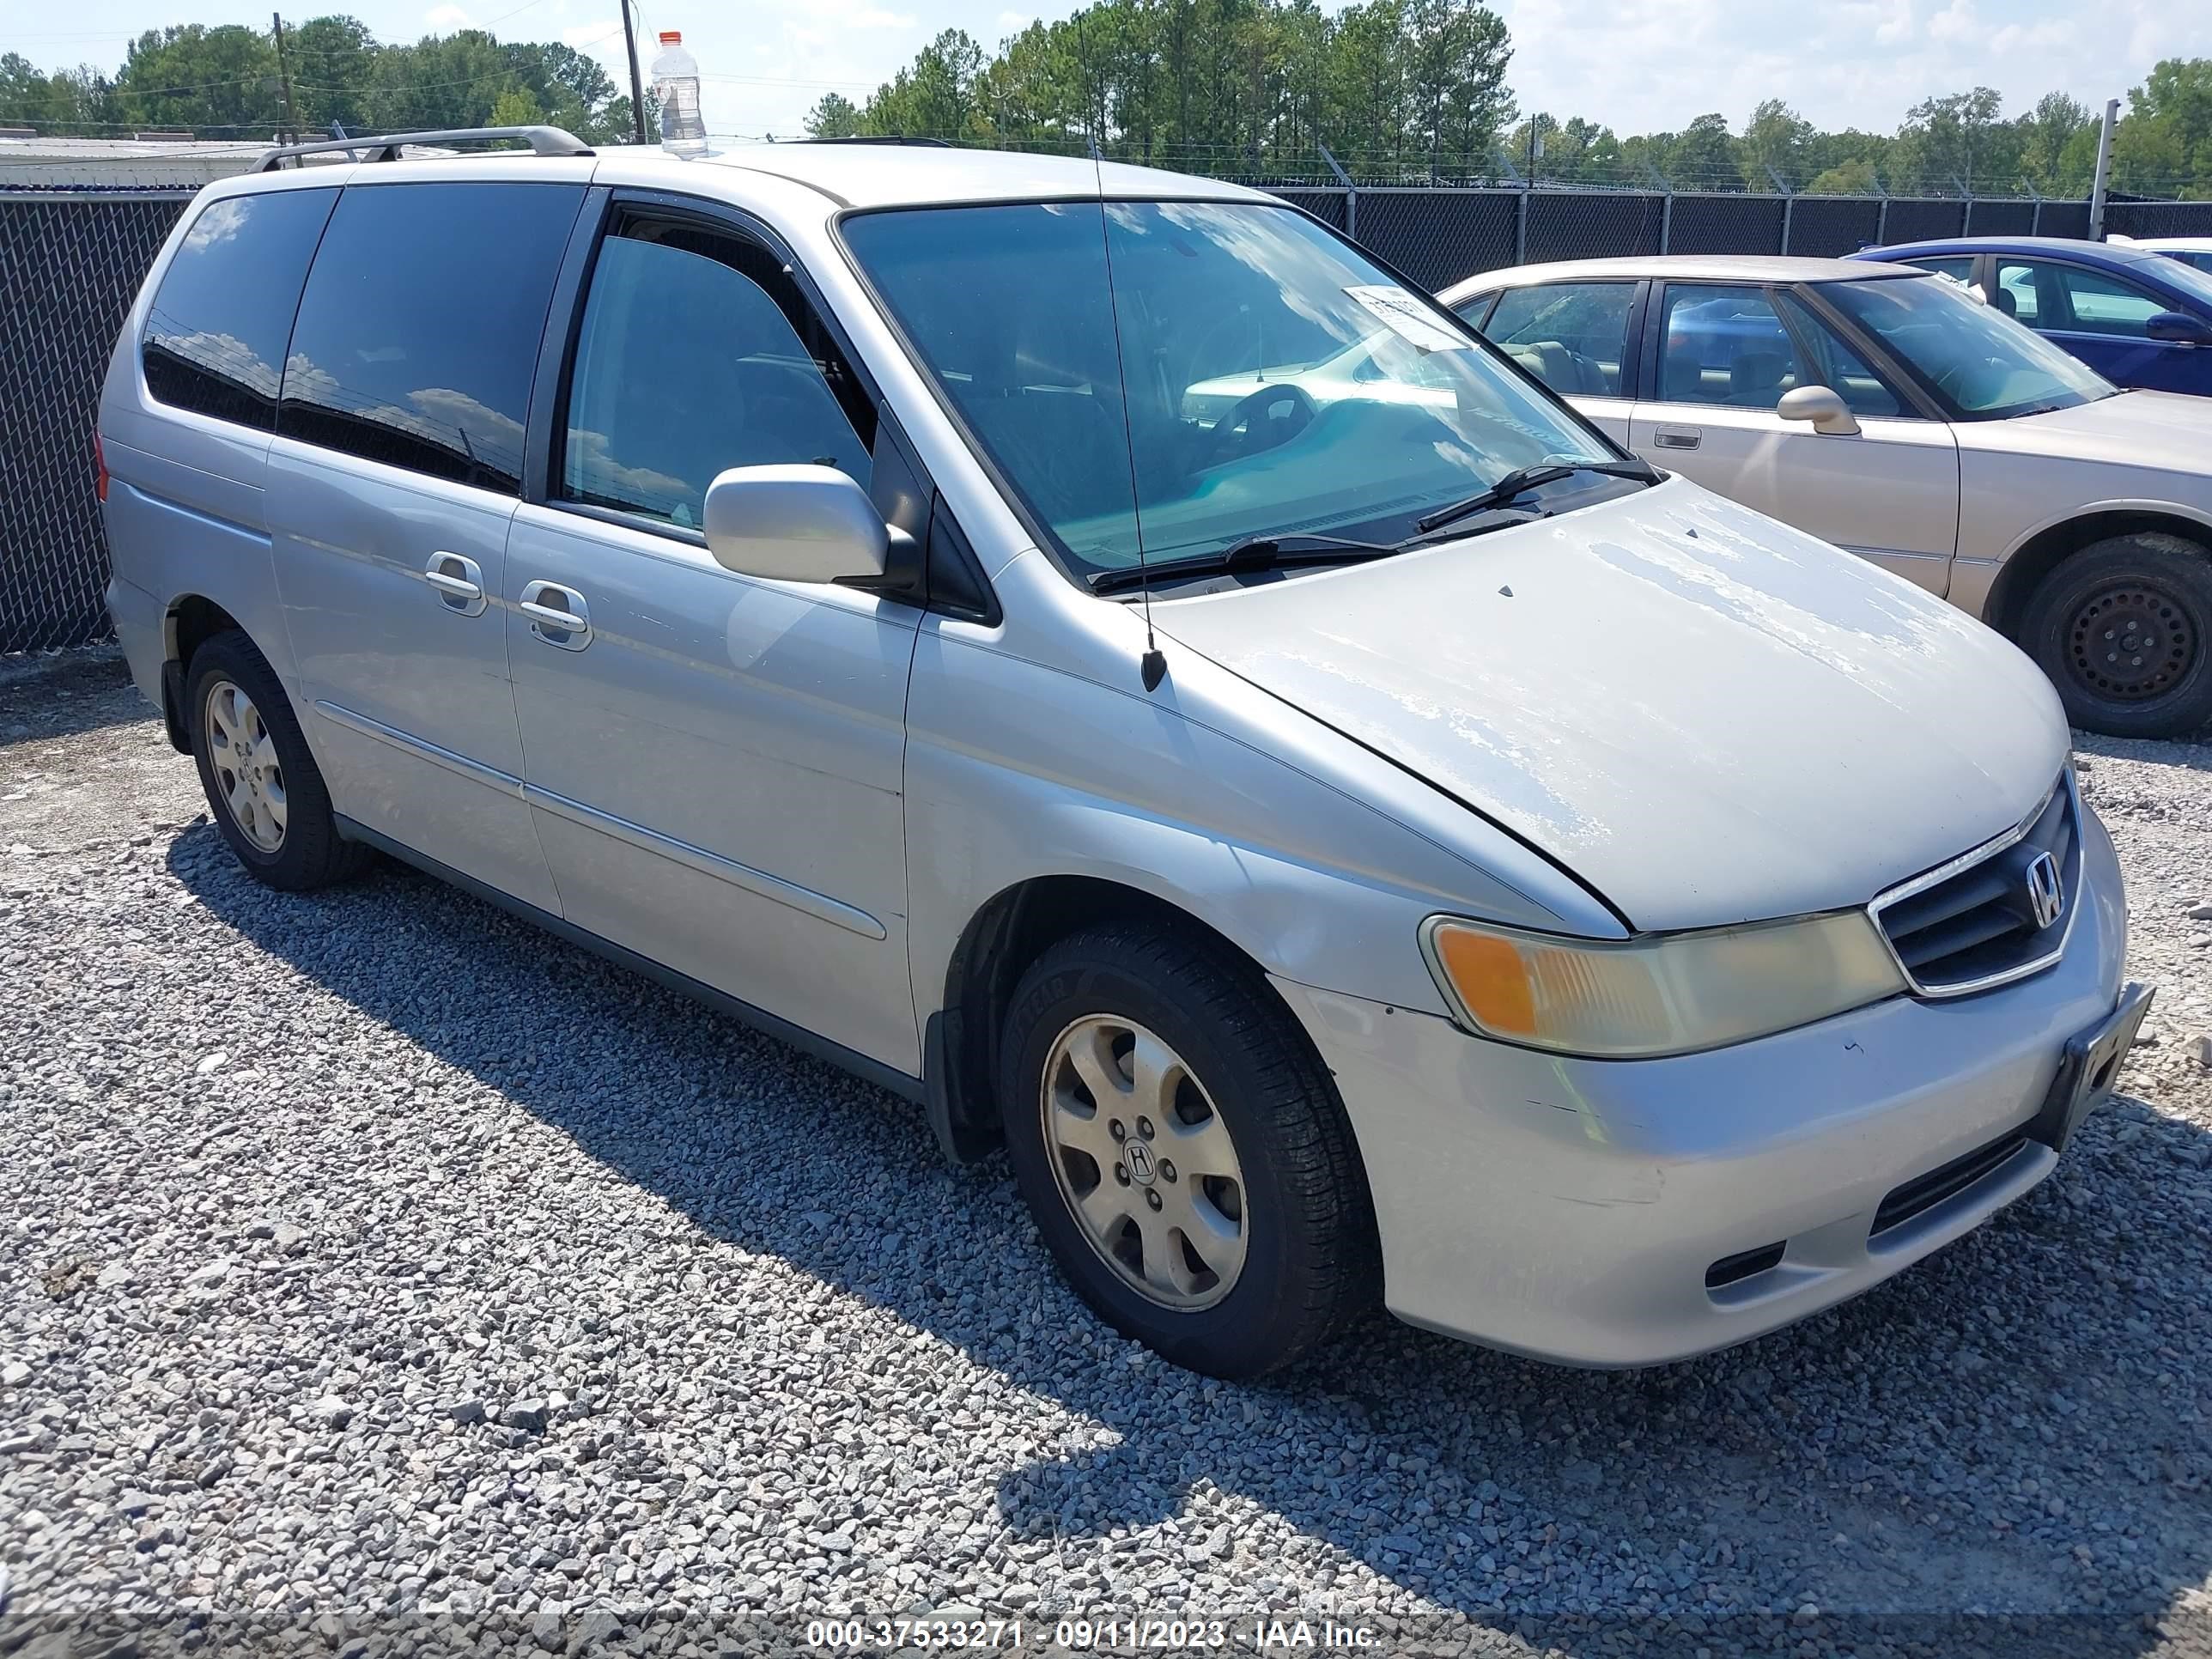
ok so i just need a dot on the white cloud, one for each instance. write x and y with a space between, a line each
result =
444 19
1956 22
1013 22
875 18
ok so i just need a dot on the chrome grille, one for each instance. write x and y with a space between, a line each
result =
1973 923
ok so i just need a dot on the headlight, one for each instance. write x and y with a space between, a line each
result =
1669 994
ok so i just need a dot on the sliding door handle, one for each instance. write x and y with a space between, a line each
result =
457 581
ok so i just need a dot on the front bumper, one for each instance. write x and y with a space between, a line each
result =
1572 1209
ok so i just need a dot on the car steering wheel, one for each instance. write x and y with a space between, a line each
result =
1251 411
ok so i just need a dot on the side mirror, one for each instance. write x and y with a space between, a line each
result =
1821 405
796 523
2178 328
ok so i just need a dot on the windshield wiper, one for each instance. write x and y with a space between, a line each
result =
1288 547
1522 479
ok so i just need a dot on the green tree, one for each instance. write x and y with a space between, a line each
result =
2046 132
1703 157
1776 142
222 81
1956 141
517 107
834 115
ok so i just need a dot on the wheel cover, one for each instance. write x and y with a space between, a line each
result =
248 776
2130 642
1144 1162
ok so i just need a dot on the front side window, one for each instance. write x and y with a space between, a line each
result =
419 330
2083 302
1837 366
689 362
1239 374
1573 336
1978 363
1721 344
214 334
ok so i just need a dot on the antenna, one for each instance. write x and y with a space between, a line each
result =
1154 667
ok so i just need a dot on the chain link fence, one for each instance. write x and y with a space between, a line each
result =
70 261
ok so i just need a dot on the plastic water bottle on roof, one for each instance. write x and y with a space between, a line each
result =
675 84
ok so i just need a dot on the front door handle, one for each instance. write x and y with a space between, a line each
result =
459 582
558 615
1677 437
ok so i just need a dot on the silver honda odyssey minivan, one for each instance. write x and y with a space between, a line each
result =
1370 837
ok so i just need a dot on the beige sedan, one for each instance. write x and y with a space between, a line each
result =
1884 409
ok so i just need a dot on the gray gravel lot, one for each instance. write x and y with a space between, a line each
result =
373 1265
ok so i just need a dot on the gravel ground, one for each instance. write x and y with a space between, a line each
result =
377 1268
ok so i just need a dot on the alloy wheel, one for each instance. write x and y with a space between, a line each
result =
1144 1163
247 769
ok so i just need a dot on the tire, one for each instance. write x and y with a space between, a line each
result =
275 813
1303 1259
2123 629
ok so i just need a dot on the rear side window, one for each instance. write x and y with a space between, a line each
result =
214 335
419 330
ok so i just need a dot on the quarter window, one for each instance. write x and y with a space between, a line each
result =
1573 336
699 354
214 334
1725 345
419 330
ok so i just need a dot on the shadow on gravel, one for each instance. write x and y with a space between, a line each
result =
2018 1426
60 694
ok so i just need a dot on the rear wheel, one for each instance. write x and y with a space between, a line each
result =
263 788
2124 627
1183 1151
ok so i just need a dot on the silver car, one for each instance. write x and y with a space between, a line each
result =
1885 410
1393 845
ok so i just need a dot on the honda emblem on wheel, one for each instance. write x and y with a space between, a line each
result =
2046 895
1141 1168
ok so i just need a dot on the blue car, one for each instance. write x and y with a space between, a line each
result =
2134 316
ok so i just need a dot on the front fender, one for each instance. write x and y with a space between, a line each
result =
1208 796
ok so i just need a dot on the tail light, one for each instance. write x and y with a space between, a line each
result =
99 467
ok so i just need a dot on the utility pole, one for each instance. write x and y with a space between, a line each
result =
284 78
2104 170
637 85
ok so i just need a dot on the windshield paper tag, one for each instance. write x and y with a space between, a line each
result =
1408 318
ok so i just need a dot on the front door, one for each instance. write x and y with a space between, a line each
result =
1724 357
2100 318
713 760
394 476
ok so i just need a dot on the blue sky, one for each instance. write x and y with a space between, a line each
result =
1634 65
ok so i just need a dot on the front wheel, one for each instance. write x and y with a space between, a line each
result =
2123 629
1183 1151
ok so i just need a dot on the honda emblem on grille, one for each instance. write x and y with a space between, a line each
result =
2046 895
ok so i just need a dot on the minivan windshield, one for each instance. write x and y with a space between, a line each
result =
1981 364
1241 373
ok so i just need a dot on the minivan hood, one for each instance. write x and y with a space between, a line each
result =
2164 432
1707 716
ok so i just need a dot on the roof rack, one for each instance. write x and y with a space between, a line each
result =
386 147
886 138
